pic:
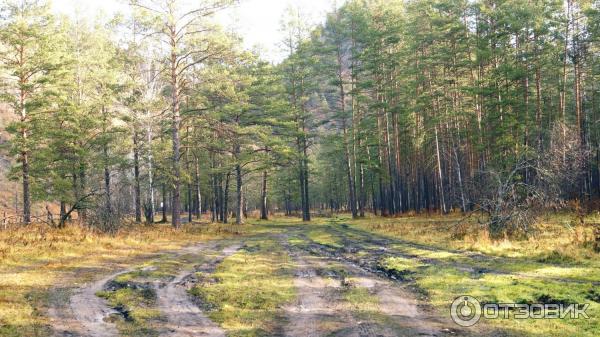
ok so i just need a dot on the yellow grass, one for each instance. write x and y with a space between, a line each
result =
37 258
555 236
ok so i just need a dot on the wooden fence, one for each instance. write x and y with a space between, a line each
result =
7 221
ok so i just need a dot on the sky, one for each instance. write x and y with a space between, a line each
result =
257 21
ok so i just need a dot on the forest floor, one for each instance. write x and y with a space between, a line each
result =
331 277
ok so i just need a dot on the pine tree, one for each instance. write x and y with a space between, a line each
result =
28 60
183 31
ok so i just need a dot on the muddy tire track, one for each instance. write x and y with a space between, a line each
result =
408 316
79 312
314 304
184 317
321 310
85 314
91 311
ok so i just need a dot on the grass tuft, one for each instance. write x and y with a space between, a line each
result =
248 289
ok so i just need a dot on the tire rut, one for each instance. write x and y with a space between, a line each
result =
314 306
184 317
91 311
321 312
79 312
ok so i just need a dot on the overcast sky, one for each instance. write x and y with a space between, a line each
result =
257 21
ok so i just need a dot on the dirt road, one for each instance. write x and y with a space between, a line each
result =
325 278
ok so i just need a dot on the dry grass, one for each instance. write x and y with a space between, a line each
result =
37 258
555 238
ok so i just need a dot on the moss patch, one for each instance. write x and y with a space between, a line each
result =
135 304
324 237
248 289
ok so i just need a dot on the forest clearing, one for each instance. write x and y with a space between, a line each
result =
283 277
253 168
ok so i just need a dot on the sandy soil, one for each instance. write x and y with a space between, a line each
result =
184 318
79 312
321 310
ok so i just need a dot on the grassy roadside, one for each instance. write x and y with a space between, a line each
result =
556 237
247 290
37 258
555 266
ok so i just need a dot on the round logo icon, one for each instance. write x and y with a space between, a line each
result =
465 311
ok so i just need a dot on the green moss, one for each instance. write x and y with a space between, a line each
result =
251 287
138 315
361 299
401 264
324 237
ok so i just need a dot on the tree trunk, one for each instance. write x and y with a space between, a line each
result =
216 212
176 201
190 203
215 199
150 174
264 211
164 203
25 164
136 173
538 101
225 209
239 210
189 181
439 167
306 208
222 204
563 91
288 204
82 189
347 154
351 187
26 193
198 197
301 180
63 214
107 194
